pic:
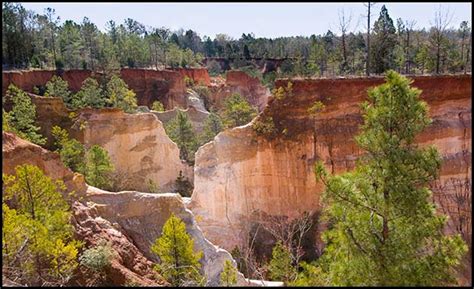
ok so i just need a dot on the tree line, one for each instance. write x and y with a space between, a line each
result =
32 40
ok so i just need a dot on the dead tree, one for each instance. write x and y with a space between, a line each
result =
369 5
441 22
344 23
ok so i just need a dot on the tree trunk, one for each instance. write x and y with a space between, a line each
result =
368 42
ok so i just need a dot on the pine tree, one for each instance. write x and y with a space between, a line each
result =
157 106
384 43
237 111
120 96
228 274
98 167
281 267
57 87
90 95
180 130
71 151
22 117
38 245
385 229
179 263
212 126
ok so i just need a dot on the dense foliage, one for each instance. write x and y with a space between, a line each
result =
21 118
179 264
385 230
212 126
237 111
180 130
38 248
98 167
228 275
38 40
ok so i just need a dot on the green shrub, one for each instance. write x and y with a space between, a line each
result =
157 106
97 258
264 126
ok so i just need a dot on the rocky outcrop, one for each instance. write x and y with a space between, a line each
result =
50 111
16 151
166 86
240 82
241 172
138 147
196 117
143 215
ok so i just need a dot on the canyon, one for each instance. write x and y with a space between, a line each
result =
130 221
241 174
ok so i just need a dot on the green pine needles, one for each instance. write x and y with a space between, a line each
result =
179 263
384 227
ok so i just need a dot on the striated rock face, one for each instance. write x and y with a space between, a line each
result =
26 80
240 82
143 215
166 86
137 144
239 172
150 85
200 76
196 117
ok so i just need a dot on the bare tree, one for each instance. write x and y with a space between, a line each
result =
409 24
53 24
344 23
464 31
289 232
369 5
441 21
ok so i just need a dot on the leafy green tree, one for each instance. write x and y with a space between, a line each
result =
157 106
21 119
120 96
90 95
179 264
37 238
237 111
71 151
281 267
183 186
57 87
385 230
212 126
228 274
180 130
98 167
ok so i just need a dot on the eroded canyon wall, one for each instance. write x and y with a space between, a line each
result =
240 82
166 86
138 146
240 172
129 221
